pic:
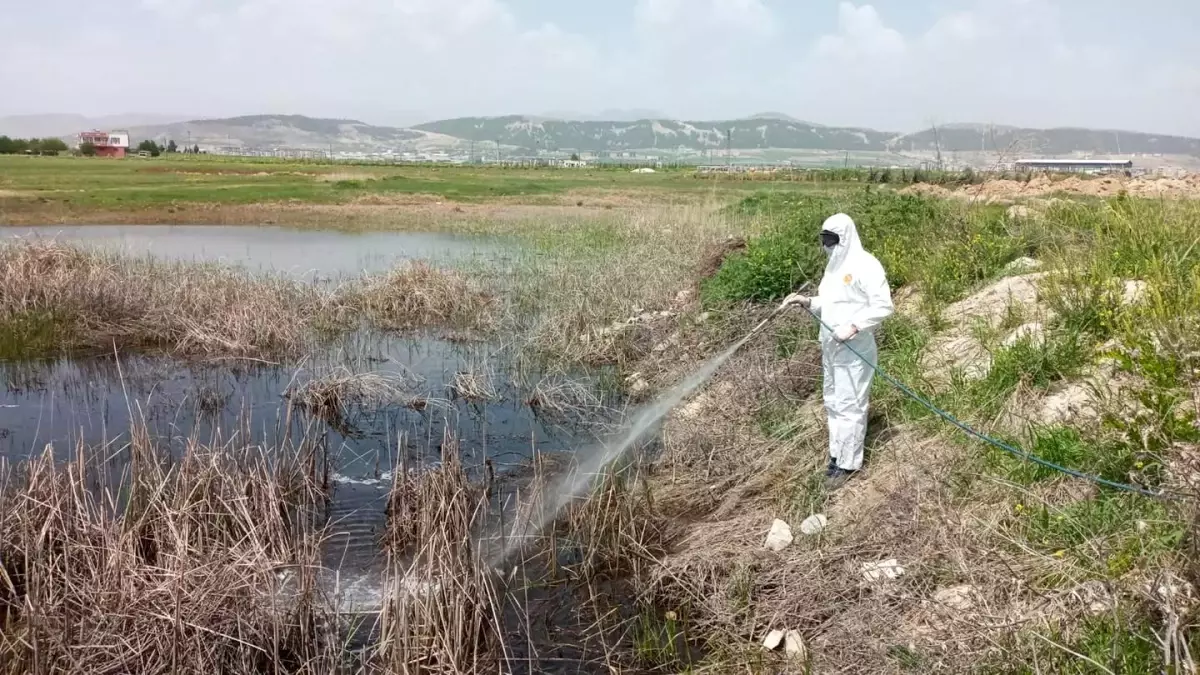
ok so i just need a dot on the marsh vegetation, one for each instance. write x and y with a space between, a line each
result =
151 536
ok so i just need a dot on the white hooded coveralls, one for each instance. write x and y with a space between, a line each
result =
853 292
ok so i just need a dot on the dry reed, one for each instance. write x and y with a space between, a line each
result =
69 297
475 384
175 567
417 295
338 396
91 299
442 611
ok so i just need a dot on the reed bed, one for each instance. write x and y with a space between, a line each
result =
56 297
576 305
81 298
167 566
337 397
476 384
418 295
442 613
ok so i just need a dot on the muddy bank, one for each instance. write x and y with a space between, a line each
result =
1186 187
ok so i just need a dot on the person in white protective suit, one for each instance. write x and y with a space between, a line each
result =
852 300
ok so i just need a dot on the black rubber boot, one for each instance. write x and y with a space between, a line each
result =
837 478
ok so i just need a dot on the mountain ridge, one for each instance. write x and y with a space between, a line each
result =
769 132
535 134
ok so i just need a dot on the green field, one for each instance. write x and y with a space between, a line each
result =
32 184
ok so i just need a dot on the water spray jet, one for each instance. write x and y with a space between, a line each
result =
575 483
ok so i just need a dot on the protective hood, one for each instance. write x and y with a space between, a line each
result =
848 244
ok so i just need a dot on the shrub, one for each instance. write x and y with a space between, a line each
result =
920 240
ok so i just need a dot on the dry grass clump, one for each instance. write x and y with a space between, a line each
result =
442 610
608 273
338 396
474 384
170 569
91 299
339 176
560 399
417 295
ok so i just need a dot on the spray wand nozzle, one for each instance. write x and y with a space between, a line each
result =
771 317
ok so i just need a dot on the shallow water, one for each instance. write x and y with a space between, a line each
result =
301 253
95 400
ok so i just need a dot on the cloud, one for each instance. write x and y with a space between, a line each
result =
861 35
894 66
697 21
1007 61
340 57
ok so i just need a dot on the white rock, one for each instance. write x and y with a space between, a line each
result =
959 598
814 523
780 536
1022 265
1033 332
703 316
1133 292
879 571
793 645
773 640
1017 212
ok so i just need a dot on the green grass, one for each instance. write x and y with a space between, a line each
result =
32 334
134 183
944 249
1121 642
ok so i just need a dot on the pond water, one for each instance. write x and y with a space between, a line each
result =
302 253
95 399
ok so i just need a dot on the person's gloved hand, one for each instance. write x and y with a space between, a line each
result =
796 299
845 333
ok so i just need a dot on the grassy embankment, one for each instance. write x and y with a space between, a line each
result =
1008 568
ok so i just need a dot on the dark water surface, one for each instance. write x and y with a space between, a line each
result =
95 399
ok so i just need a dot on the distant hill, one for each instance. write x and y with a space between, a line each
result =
290 131
775 130
1061 141
607 115
778 116
657 134
768 130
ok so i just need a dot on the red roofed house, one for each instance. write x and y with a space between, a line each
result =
108 143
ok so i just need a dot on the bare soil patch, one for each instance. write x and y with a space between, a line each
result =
1000 190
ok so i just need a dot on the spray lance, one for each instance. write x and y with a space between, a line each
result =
775 313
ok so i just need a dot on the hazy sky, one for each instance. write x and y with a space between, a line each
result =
888 64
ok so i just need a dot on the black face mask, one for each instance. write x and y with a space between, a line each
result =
829 239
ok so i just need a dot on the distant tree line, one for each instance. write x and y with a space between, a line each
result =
156 149
31 146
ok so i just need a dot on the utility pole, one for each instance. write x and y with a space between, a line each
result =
472 151
499 157
937 141
728 146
